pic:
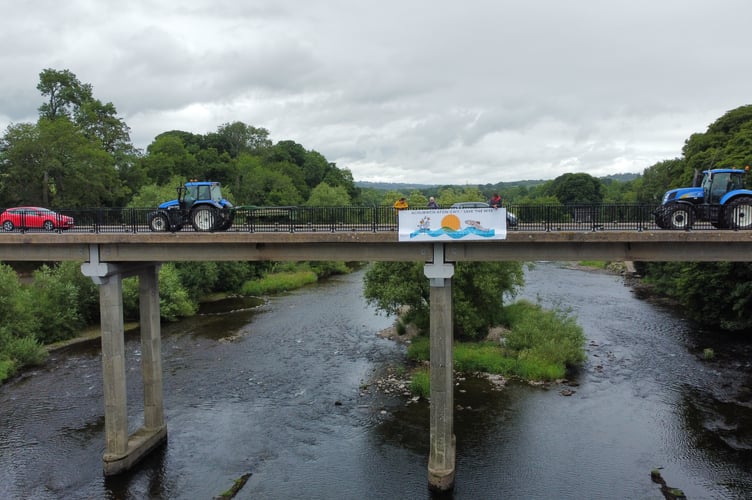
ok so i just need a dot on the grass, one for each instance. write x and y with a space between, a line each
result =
540 345
279 282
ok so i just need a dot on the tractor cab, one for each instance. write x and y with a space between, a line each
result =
716 184
200 192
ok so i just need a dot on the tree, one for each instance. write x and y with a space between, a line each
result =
716 294
64 93
478 292
237 137
658 178
53 164
575 189
325 195
99 122
261 185
168 157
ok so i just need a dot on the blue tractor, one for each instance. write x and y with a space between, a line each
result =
719 198
200 204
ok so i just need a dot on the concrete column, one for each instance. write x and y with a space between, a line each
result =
443 443
113 367
121 450
151 348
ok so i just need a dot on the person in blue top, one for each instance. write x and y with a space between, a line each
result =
432 203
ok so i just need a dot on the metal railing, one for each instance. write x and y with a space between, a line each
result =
605 217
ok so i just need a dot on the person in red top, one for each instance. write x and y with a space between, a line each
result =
495 201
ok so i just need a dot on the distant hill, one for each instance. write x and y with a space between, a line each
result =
406 186
620 177
393 186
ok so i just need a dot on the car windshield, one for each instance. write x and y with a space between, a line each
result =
470 204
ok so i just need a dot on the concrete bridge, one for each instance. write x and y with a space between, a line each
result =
108 258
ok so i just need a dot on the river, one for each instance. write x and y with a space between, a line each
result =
284 392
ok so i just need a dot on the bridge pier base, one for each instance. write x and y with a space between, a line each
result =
441 458
122 451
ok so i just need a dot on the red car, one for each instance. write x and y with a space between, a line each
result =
34 217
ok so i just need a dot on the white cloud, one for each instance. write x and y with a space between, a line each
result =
476 91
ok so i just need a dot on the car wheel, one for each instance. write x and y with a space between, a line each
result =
48 225
8 226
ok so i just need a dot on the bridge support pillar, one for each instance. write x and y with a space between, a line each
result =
122 451
443 443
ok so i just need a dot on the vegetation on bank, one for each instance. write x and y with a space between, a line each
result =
57 302
537 344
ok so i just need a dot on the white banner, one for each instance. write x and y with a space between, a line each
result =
453 224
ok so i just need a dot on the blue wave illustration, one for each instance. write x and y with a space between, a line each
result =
455 234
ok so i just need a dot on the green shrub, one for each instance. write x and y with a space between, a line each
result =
174 300
401 327
419 349
27 352
87 300
16 311
541 345
197 278
7 369
232 275
55 306
324 269
551 336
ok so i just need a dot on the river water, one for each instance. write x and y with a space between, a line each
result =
284 392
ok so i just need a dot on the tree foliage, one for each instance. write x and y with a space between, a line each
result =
576 189
478 293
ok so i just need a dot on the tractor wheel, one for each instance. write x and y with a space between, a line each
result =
158 222
8 226
660 220
204 219
679 217
739 213
224 225
226 220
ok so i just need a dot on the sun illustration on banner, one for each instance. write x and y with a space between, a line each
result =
451 222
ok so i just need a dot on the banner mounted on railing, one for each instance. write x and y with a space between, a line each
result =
453 224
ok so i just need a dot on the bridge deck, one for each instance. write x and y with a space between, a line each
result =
374 246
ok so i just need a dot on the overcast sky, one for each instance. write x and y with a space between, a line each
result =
436 92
